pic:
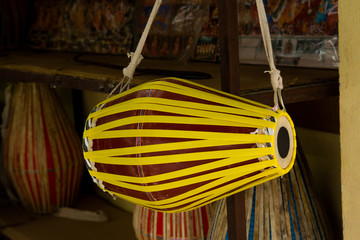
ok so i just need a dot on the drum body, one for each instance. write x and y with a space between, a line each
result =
43 154
173 145
190 225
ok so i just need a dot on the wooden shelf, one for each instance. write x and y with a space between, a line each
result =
61 70
17 223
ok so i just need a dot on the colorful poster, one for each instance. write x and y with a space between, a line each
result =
100 26
207 48
174 29
304 32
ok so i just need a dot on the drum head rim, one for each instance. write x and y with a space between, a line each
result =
284 128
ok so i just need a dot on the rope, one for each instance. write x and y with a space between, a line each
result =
275 76
276 79
136 56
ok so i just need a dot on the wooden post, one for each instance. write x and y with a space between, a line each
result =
230 82
229 46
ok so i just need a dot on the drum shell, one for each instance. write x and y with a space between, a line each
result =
149 224
43 156
158 99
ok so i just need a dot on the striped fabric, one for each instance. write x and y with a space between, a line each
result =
172 145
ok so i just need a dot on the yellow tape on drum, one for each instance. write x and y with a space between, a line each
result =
173 145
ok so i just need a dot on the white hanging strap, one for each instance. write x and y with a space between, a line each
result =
276 79
136 56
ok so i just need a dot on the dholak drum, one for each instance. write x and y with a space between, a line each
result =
190 225
43 155
173 145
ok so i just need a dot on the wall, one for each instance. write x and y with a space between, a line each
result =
317 128
322 151
90 99
349 25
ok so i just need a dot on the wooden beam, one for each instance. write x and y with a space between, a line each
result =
230 82
229 46
296 94
236 216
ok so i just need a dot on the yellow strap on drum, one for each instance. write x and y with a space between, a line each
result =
173 145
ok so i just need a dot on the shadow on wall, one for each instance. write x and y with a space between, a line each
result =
317 127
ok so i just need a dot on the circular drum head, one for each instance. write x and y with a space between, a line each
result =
284 142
